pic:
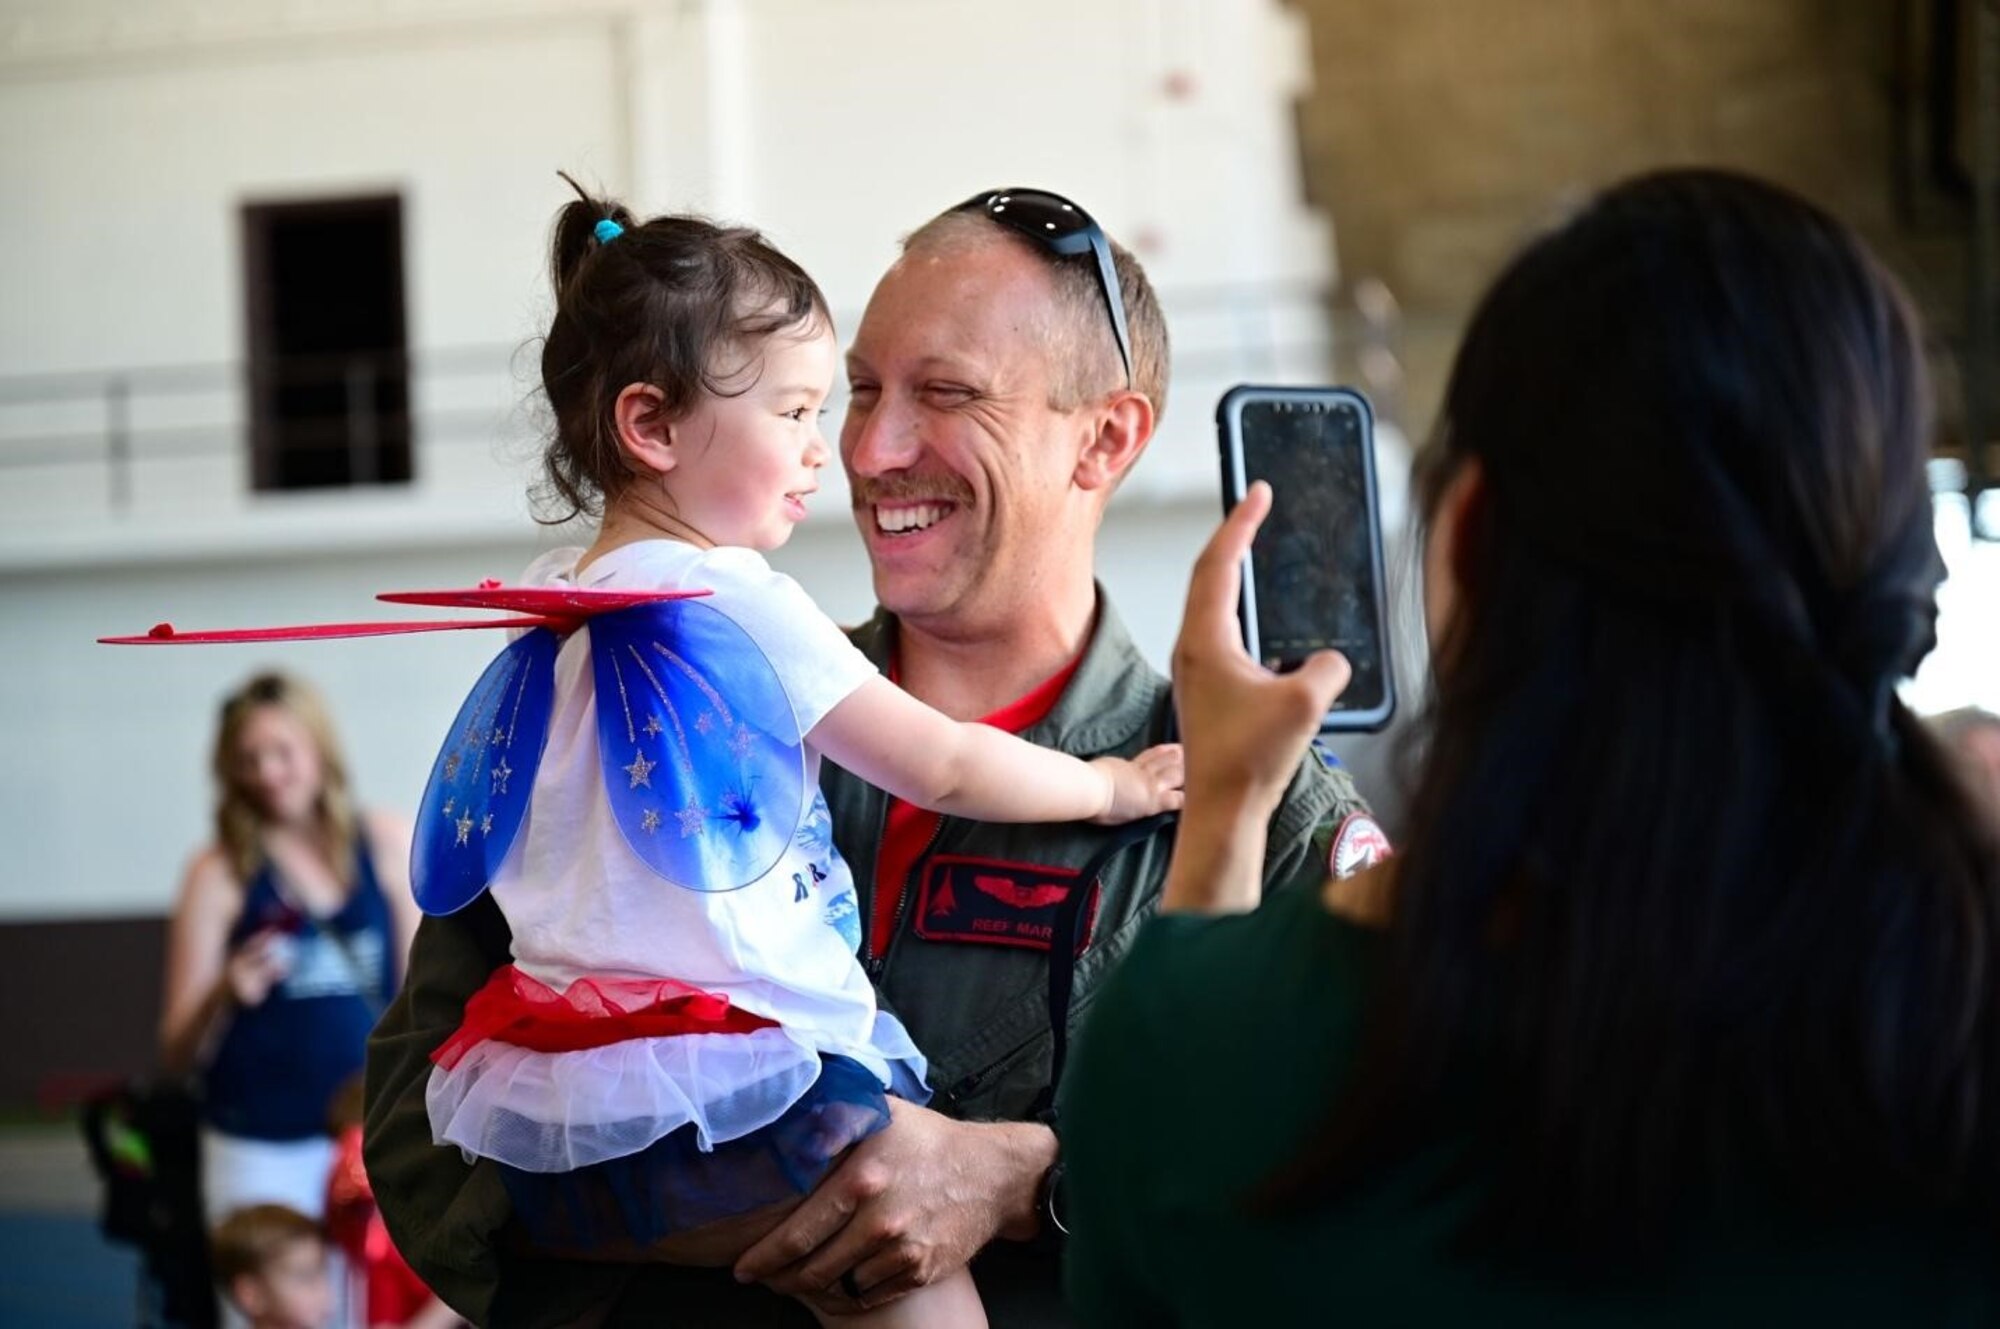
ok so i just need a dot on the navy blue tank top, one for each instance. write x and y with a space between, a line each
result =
279 1062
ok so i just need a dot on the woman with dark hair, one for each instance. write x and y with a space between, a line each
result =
1680 999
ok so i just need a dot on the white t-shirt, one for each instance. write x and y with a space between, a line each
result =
580 902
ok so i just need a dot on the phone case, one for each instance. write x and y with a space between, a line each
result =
1235 482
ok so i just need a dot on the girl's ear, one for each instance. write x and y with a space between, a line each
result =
645 435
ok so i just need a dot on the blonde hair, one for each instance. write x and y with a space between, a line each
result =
238 820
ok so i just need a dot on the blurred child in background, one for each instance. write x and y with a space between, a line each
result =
270 1264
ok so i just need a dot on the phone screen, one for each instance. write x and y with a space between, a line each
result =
1314 561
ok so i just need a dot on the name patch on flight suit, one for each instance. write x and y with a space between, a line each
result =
997 903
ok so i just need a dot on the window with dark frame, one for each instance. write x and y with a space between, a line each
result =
328 362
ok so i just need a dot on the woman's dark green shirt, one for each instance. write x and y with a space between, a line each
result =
1212 1055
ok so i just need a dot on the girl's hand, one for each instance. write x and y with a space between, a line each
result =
1145 784
259 965
1245 727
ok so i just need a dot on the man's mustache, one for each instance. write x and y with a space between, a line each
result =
868 492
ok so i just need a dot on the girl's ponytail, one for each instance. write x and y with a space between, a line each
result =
576 233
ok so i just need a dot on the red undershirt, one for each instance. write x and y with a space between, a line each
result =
907 830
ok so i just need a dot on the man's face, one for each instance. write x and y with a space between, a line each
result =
961 473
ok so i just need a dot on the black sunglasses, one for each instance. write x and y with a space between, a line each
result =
1060 227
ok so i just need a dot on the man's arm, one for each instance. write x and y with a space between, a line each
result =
446 1216
1323 828
445 1213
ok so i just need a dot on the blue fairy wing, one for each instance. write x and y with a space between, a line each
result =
704 767
477 795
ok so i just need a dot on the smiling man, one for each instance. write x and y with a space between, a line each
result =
1009 371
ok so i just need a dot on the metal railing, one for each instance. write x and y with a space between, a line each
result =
121 419
124 422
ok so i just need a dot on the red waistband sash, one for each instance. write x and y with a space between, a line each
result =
519 1009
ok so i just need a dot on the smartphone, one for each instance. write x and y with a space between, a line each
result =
1314 578
285 924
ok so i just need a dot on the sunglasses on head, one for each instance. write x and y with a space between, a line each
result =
1060 227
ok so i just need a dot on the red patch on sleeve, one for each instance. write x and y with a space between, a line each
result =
1358 844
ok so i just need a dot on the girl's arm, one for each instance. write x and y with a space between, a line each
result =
893 741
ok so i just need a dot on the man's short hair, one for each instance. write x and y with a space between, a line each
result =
1083 351
248 1240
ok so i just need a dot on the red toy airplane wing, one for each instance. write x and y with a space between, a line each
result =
165 634
557 607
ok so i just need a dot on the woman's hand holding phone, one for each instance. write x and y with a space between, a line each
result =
1314 579
260 964
1244 727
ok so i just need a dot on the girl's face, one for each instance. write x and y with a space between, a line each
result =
744 466
277 765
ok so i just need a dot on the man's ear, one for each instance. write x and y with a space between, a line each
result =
645 434
1124 427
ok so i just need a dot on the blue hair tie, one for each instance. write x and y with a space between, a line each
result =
606 231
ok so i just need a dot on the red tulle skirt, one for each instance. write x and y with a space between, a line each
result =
516 1008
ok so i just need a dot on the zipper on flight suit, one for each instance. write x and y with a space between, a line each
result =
949 1101
875 964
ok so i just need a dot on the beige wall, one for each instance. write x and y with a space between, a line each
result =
1439 133
131 131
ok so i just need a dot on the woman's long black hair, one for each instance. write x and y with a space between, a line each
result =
1688 903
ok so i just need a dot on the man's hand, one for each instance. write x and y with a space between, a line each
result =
912 1203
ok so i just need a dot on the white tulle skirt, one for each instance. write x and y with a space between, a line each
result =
625 1110
558 1111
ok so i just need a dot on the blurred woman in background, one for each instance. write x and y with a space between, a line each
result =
289 936
1681 1003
